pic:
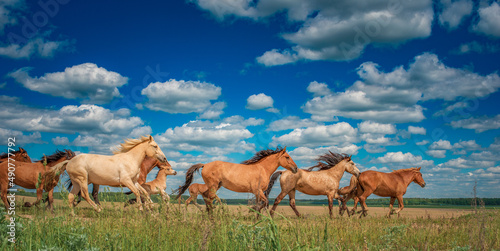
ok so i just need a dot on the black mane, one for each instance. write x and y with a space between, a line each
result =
329 160
57 156
262 154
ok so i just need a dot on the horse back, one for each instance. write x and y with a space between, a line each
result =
382 184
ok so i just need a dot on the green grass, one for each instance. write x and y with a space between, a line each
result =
117 228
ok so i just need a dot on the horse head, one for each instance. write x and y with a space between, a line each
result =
24 155
286 161
417 177
153 150
167 167
351 167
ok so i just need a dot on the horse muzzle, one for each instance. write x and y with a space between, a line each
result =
422 185
175 173
294 169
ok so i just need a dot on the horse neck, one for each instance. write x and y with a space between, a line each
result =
270 164
338 170
146 166
138 153
161 176
407 177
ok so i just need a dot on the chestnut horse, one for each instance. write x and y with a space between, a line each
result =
392 185
20 155
118 170
146 166
194 190
325 181
251 176
41 175
159 184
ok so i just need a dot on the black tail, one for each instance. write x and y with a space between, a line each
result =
68 184
271 183
189 179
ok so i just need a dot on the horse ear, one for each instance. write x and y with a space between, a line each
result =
419 168
284 150
151 139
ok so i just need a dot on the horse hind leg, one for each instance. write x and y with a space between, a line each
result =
291 196
3 194
72 194
85 194
391 204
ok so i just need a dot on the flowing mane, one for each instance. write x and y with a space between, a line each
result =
5 155
328 160
262 154
129 144
406 170
57 156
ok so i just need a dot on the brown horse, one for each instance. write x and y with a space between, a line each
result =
251 176
196 189
159 184
41 175
325 181
146 166
392 185
20 155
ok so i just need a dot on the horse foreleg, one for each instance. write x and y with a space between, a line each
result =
148 202
130 185
50 198
391 204
39 196
401 205
95 194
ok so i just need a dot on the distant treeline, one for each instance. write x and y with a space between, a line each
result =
115 196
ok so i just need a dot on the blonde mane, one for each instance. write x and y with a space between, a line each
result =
129 144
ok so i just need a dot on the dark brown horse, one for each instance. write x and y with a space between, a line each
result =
251 176
41 175
20 155
392 185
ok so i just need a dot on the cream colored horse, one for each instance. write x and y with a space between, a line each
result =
119 170
323 182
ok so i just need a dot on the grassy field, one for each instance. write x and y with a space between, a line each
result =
234 228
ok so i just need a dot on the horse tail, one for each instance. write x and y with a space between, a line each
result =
53 173
189 179
271 183
352 186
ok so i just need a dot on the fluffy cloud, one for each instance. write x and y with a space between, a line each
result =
330 30
476 47
404 159
21 138
416 130
318 89
489 20
215 138
463 163
179 96
290 122
261 101
38 46
87 82
6 9
436 153
322 135
376 128
69 119
479 124
441 145
60 141
393 97
454 13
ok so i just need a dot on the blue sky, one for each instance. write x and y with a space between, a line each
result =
396 84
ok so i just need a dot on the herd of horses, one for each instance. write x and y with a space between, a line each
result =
135 158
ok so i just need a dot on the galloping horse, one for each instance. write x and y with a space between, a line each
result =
159 184
120 169
20 155
325 181
251 176
392 185
194 190
41 175
146 166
